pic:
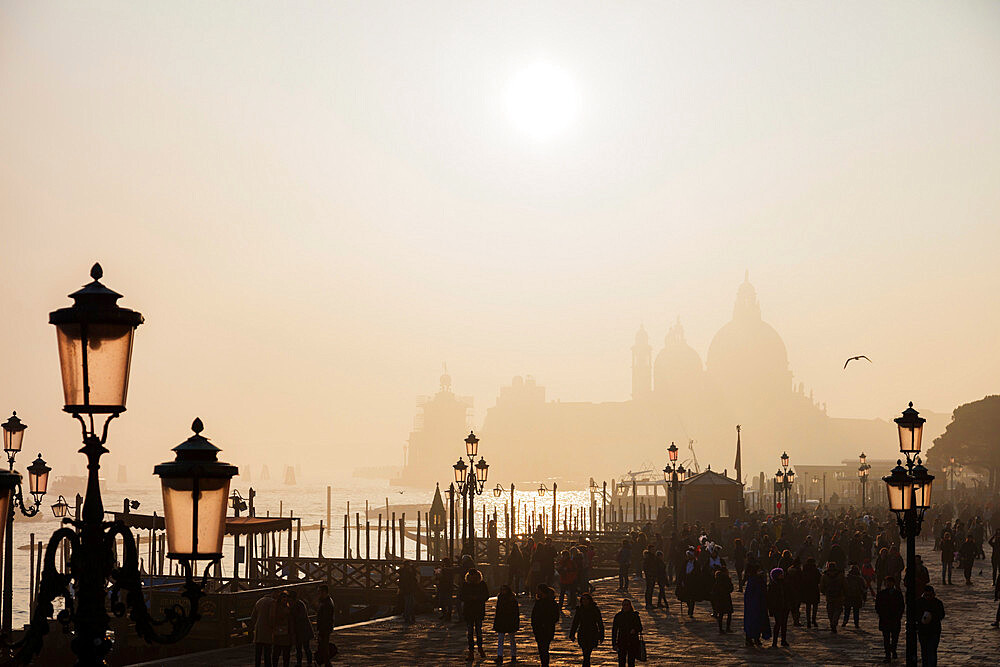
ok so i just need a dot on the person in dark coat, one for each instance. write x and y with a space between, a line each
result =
889 606
624 560
588 627
649 574
755 623
325 619
517 567
689 582
855 592
967 557
777 606
930 612
544 617
625 634
445 584
722 598
661 581
947 557
809 590
301 628
474 594
832 585
408 586
793 582
506 621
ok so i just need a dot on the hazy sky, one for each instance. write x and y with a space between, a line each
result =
315 204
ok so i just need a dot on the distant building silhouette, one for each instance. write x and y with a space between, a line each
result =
746 381
434 446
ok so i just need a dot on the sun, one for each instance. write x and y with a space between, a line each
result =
542 100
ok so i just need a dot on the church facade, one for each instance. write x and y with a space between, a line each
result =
676 396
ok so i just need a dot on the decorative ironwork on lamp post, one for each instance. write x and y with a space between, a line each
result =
909 493
95 347
471 481
10 487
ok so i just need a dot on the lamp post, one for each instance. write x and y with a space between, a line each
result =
670 476
38 479
909 494
94 337
784 479
863 470
471 480
238 504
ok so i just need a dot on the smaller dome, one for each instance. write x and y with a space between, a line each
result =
677 363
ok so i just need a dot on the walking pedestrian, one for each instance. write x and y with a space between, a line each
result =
661 581
587 627
930 612
474 594
810 590
755 623
506 622
967 557
649 575
544 616
262 622
722 599
855 592
739 561
284 632
516 567
832 585
445 584
889 606
626 630
301 627
777 606
408 586
947 557
325 618
624 560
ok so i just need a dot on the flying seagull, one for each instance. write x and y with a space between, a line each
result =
860 356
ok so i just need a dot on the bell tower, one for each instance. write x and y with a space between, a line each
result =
642 365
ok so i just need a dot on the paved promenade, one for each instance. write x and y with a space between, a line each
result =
672 638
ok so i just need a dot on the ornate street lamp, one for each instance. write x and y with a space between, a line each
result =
38 479
94 338
909 495
13 437
60 508
542 490
195 490
471 445
471 481
461 475
497 490
784 460
673 475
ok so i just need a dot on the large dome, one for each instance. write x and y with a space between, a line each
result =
747 352
677 364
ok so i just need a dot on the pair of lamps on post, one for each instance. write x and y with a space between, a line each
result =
672 467
10 480
482 468
909 487
95 338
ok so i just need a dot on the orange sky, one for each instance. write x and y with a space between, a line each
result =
314 205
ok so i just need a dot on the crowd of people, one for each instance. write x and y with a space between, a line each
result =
785 568
281 622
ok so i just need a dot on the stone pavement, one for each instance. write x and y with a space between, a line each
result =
671 638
